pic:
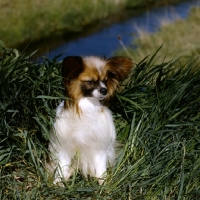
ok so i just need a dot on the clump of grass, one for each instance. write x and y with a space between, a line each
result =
157 117
179 39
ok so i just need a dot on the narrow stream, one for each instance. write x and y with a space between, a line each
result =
105 41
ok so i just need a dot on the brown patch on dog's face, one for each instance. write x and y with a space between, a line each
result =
89 74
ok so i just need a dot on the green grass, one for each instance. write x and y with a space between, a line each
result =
180 40
157 116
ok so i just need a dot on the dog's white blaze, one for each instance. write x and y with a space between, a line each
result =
102 85
93 61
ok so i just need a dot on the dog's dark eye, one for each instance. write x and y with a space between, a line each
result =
90 83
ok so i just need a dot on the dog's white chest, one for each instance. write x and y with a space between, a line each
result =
94 125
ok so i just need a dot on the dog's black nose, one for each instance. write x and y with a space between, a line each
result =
103 91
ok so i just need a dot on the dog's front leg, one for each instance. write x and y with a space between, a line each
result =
63 168
100 165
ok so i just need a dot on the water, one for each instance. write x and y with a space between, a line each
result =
105 41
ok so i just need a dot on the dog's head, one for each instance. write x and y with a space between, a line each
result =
93 76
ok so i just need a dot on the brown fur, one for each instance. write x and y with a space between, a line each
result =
117 68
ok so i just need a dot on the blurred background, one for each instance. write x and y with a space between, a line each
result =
102 27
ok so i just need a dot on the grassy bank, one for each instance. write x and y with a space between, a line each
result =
179 39
157 117
31 20
27 21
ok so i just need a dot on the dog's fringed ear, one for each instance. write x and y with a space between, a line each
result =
71 68
118 67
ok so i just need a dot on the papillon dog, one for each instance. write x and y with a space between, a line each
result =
84 134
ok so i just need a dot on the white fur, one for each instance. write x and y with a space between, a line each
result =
102 84
93 61
96 93
84 141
